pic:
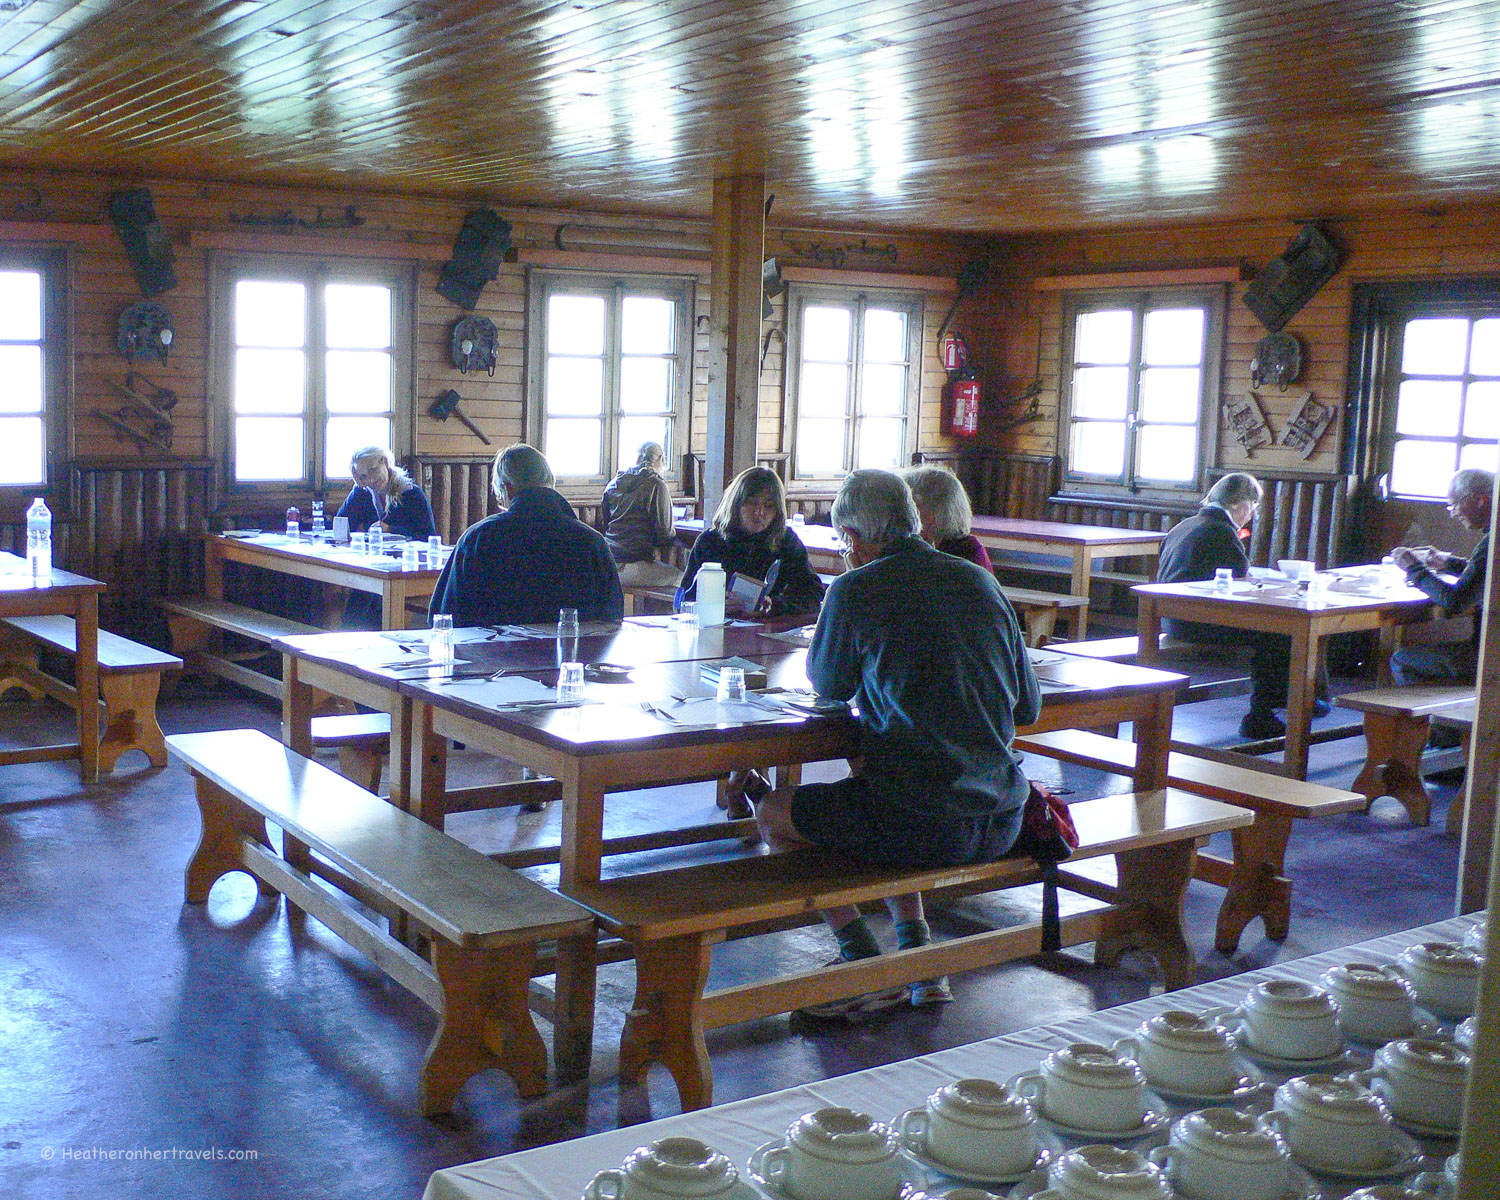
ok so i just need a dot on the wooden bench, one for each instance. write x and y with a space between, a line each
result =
674 918
129 679
1254 877
1397 724
1041 610
482 921
195 623
363 741
1173 652
643 598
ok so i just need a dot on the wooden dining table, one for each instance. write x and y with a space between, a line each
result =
60 592
1277 606
613 743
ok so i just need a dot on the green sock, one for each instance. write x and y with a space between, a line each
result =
856 941
910 934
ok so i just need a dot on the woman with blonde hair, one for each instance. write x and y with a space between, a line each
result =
385 495
947 519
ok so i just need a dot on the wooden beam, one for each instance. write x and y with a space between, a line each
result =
739 240
1180 276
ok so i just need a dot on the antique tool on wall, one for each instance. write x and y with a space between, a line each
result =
446 406
1309 422
146 416
1292 279
1247 422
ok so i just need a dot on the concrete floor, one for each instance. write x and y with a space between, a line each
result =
149 1049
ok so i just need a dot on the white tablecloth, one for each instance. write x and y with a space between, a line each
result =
560 1172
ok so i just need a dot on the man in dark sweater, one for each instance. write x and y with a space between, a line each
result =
523 564
1193 551
1470 494
931 650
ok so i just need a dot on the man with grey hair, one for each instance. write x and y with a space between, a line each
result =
931 650
532 558
1470 494
638 522
1197 547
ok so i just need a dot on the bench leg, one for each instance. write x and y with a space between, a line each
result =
363 766
1393 764
226 823
130 716
1040 622
189 638
1453 823
485 1023
1257 883
19 662
665 1024
1147 915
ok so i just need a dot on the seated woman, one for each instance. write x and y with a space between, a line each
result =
383 496
638 521
947 519
749 533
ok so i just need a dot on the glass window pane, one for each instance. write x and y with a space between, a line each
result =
1100 391
20 306
634 431
1484 351
21 369
1098 447
1170 394
269 381
646 385
820 447
1427 406
573 446
575 325
1420 468
885 335
1167 452
1484 455
358 381
879 443
345 435
575 386
825 333
268 448
1173 337
357 315
824 391
1435 346
884 390
24 460
1103 337
647 325
269 314
1481 410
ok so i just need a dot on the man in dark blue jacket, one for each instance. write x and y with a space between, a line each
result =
521 565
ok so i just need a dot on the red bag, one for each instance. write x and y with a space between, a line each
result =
1049 836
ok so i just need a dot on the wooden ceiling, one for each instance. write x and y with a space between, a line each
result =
964 115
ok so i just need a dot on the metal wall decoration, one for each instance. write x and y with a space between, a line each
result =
1292 279
1309 422
478 251
144 328
1247 423
1278 358
447 405
474 345
146 417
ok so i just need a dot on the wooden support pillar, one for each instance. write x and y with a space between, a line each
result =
739 239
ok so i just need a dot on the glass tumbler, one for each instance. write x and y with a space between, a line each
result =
440 648
570 683
732 685
1223 577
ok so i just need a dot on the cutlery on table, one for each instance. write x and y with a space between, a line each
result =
647 706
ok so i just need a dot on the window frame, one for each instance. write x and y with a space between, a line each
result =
227 269
55 265
541 285
914 304
1394 307
1213 299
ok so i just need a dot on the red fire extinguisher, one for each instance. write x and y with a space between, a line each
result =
961 395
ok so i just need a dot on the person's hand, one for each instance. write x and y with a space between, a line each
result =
763 609
1406 558
383 526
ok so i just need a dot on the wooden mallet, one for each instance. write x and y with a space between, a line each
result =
446 406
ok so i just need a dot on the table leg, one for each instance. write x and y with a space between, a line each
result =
1079 585
213 570
1148 631
1040 623
1301 688
86 679
577 958
297 700
393 604
427 770
1153 742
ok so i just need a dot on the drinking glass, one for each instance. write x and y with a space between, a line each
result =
570 683
732 685
411 556
435 551
359 543
376 539
798 519
1223 577
567 636
689 613
440 649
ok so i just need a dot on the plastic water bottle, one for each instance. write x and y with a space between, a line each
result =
710 595
317 518
39 538
293 521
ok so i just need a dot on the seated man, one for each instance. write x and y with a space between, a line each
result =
638 522
523 564
933 653
1193 551
1469 499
